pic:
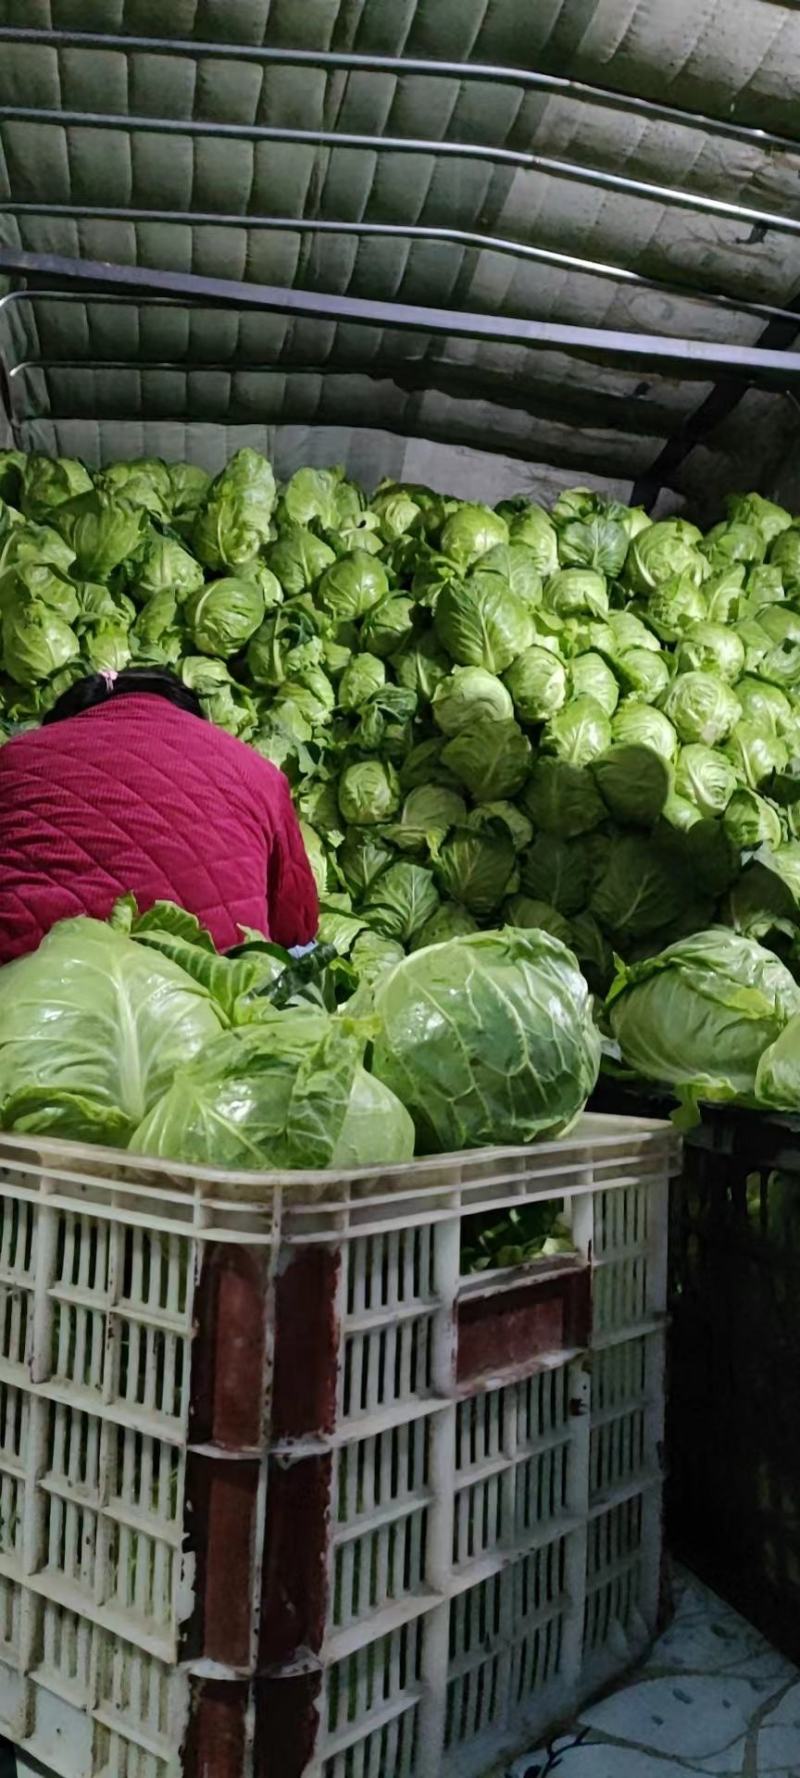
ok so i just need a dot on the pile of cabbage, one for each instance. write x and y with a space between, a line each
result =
135 1033
577 720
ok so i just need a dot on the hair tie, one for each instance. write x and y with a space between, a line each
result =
109 678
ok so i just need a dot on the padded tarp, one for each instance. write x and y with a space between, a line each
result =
180 174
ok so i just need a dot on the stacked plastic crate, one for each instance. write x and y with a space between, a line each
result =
282 1494
480 1459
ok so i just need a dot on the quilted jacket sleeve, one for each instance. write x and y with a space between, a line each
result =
292 902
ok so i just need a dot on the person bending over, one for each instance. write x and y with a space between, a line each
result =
126 788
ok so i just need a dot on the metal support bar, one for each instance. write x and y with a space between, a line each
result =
694 358
460 237
711 412
781 222
530 80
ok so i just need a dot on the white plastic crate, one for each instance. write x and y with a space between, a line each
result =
99 1273
406 1555
495 1546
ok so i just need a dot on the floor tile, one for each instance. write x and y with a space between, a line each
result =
713 1699
692 1716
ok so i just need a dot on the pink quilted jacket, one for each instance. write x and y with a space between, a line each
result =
138 796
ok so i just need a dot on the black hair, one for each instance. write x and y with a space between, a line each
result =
102 688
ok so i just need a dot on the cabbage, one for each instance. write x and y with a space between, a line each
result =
765 706
428 811
576 592
371 953
144 482
518 567
701 707
46 482
482 623
532 527
317 496
579 732
473 866
377 1130
680 811
675 606
785 554
753 509
711 648
750 821
590 676
643 674
35 643
637 725
42 582
102 531
526 914
235 519
222 616
351 586
563 799
400 900
640 890
723 592
421 665
396 513
466 696
698 1017
634 782
488 1038
513 819
189 485
153 634
734 541
629 631
364 674
165 566
273 1095
755 752
661 553
490 757
92 1028
556 871
298 559
705 778
537 682
599 541
470 532
388 625
764 587
369 792
361 858
449 921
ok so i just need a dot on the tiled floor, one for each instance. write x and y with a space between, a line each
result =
713 1699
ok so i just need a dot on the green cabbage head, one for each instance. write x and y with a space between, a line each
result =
488 1039
92 1028
469 532
698 1017
482 623
223 615
235 520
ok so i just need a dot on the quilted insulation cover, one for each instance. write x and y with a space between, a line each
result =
411 152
